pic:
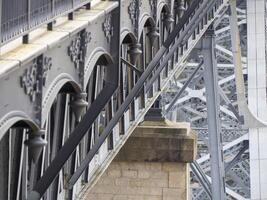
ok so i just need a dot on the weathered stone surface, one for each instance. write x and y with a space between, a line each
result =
174 194
142 180
152 165
160 141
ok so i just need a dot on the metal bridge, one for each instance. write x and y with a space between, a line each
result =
78 76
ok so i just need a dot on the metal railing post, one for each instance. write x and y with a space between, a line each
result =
25 38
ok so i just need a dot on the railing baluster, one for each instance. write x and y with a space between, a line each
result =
88 6
52 8
25 38
70 15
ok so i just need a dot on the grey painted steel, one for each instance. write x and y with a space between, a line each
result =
133 93
237 158
111 84
203 10
195 167
138 71
230 105
66 74
19 17
70 145
214 129
175 98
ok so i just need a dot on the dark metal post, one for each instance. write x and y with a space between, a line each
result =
25 38
202 178
183 88
213 102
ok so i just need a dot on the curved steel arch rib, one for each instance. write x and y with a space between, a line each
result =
251 121
13 117
54 89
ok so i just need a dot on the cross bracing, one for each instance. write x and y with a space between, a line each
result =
191 106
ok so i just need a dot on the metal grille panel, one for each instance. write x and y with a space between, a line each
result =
20 16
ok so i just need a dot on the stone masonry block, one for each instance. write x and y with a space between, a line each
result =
106 189
173 166
149 183
137 191
100 197
177 179
137 197
152 165
160 141
122 181
114 173
106 181
174 194
144 174
129 173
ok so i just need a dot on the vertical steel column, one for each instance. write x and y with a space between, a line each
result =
213 102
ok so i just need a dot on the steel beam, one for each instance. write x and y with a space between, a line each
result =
132 67
230 105
183 88
204 8
70 145
214 129
111 84
237 158
202 178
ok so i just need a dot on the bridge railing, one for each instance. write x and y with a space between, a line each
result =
18 17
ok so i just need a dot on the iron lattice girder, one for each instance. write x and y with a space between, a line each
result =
230 151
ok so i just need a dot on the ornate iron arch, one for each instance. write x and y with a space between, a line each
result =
127 36
162 7
54 88
14 117
98 56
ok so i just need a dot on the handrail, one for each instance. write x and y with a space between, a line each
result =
19 18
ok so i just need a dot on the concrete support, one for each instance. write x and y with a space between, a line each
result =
152 165
214 129
256 64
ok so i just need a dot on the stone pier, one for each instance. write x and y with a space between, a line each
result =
152 165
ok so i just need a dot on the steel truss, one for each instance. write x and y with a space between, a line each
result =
192 106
